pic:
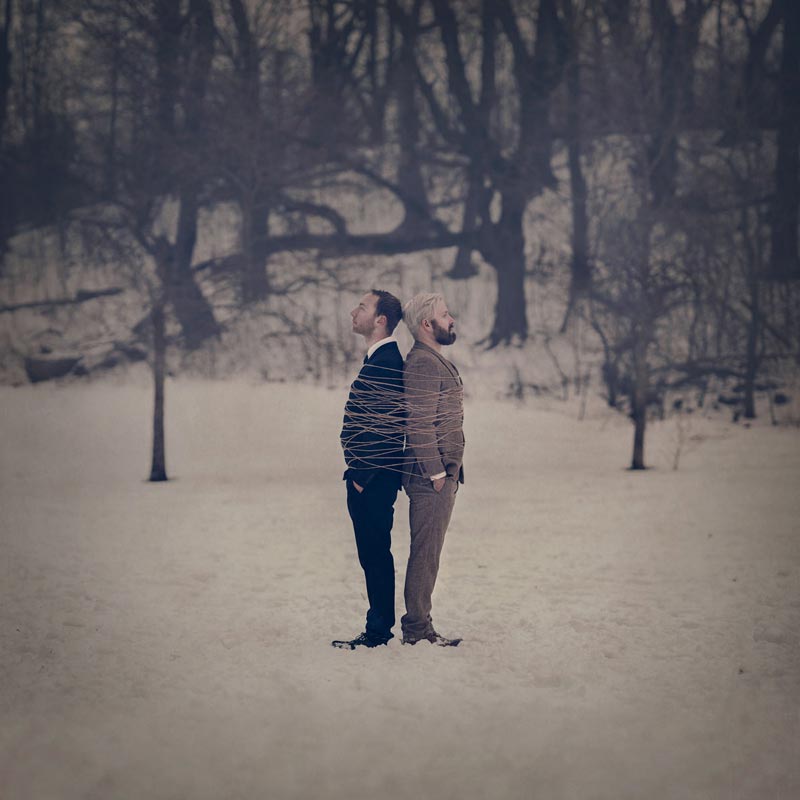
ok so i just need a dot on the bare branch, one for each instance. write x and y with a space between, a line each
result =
82 296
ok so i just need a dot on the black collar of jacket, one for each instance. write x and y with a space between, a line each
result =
367 359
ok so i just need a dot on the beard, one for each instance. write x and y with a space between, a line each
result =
441 335
366 328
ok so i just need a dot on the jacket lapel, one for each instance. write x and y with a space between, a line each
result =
450 367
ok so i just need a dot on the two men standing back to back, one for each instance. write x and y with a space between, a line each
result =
421 402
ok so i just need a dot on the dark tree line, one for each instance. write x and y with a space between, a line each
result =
672 128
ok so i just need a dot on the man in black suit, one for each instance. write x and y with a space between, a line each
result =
372 440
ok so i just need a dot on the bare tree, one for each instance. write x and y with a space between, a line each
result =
37 132
502 161
640 277
248 123
508 173
158 58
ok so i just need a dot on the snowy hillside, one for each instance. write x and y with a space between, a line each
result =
302 335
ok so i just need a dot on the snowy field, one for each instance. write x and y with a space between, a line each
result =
626 635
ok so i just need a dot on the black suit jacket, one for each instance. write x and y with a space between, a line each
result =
373 428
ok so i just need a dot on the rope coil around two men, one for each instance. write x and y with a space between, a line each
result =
393 411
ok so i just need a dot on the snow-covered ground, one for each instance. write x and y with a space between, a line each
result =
626 635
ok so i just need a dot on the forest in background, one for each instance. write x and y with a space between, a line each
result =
205 169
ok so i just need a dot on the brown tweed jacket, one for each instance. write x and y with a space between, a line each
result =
435 405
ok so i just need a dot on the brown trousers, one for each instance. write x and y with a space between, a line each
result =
429 516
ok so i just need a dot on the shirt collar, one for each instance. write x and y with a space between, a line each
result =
380 343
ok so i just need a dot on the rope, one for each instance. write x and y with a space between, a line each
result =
385 411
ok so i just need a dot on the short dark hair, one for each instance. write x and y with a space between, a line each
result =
388 306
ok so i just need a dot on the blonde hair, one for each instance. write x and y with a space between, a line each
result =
420 307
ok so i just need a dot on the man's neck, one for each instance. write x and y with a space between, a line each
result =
429 341
375 337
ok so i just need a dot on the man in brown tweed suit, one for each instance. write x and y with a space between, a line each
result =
434 398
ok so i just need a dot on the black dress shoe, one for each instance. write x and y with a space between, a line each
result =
434 638
362 640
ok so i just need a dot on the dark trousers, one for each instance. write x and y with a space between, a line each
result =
372 512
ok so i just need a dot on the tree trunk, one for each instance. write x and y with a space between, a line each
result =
676 45
409 175
753 105
510 315
641 380
167 45
5 63
158 469
610 373
784 261
580 276
255 232
751 366
253 201
506 253
477 200
7 203
463 266
248 61
111 145
192 309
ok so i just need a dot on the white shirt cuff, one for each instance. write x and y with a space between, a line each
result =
440 475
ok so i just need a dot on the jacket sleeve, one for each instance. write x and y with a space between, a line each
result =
422 384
